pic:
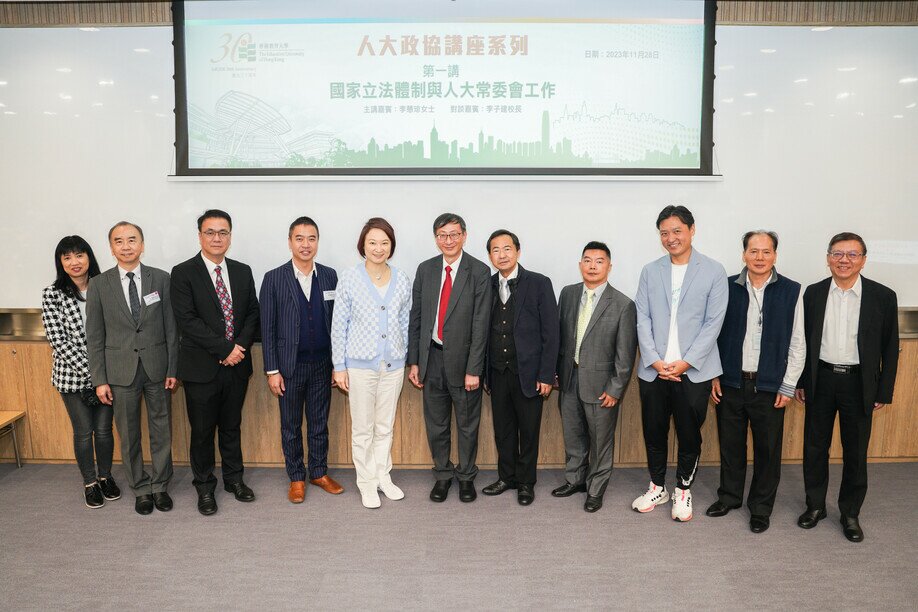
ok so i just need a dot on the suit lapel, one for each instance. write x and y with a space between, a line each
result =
114 280
570 317
867 310
666 276
819 316
458 285
146 288
690 273
604 300
519 296
207 283
293 285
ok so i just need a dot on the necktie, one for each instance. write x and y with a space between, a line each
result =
226 303
583 319
444 302
504 290
133 299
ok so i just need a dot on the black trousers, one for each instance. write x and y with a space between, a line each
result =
517 422
840 393
687 403
216 406
738 410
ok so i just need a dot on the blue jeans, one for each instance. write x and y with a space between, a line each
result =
91 425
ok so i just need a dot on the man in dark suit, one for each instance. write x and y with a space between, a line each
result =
522 353
447 337
297 300
132 343
213 298
598 349
852 344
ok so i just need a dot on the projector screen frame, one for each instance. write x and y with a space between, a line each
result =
706 144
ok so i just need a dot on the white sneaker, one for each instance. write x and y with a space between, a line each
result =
390 490
682 505
651 499
370 498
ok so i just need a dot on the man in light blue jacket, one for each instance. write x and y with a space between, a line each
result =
681 303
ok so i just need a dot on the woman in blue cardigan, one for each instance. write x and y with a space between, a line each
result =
369 344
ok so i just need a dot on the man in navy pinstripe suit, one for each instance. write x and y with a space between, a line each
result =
297 300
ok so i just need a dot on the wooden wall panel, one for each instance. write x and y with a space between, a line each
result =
46 434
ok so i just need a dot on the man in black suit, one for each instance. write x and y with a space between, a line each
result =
523 342
447 337
216 312
852 339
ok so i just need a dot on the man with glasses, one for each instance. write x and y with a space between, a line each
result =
447 338
216 311
852 334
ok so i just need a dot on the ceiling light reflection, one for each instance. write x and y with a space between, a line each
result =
64 96
898 116
89 29
801 80
750 94
64 70
141 50
847 69
906 80
767 51
912 105
843 95
821 29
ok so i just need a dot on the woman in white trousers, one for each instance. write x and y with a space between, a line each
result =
369 344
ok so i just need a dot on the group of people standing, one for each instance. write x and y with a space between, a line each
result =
749 342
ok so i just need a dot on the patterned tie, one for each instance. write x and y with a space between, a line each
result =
583 319
504 290
226 303
133 299
444 302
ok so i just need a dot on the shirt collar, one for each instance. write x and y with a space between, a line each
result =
596 292
211 265
453 266
743 278
855 289
122 273
299 275
511 276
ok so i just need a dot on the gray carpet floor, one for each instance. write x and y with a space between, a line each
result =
331 553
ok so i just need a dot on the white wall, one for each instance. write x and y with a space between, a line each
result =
804 171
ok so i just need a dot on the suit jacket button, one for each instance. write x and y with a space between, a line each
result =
135 350
382 307
384 335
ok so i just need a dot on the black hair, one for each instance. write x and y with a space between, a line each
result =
214 213
446 219
683 213
68 245
302 221
503 232
770 234
844 236
595 245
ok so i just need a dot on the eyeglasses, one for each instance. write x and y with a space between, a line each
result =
449 237
851 255
211 234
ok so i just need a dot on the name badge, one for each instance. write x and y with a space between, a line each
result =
328 295
151 298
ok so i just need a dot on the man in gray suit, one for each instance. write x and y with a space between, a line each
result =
681 304
132 344
447 337
598 345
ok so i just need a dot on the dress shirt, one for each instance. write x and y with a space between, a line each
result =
673 351
839 330
304 279
454 270
597 292
122 273
752 343
211 268
503 284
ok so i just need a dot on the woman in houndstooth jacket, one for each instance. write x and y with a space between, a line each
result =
369 343
63 313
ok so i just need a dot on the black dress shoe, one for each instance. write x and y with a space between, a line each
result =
809 518
440 490
852 528
758 523
207 505
144 504
467 491
498 487
162 501
568 489
593 503
719 508
240 490
110 490
525 495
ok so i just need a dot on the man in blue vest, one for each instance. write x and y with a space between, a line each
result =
762 353
297 300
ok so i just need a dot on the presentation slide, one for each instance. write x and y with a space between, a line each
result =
609 87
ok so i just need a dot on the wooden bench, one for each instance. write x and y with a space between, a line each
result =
8 420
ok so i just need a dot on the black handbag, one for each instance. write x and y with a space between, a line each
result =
89 397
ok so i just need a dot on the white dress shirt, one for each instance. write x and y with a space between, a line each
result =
304 279
597 292
124 284
211 268
752 343
454 270
503 283
673 352
839 330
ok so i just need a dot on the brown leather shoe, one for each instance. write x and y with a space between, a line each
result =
328 484
297 492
